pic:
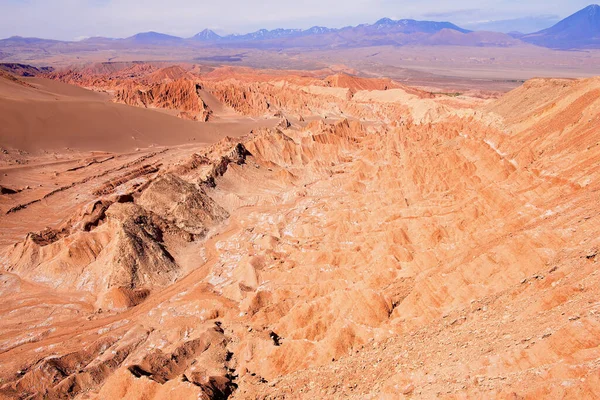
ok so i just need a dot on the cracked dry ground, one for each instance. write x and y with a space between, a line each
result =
453 259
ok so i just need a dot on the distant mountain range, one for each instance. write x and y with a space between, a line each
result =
384 31
383 26
580 30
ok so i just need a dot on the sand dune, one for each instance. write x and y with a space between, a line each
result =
39 114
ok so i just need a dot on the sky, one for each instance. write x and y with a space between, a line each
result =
78 19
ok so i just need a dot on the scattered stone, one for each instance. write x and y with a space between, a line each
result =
408 389
275 337
5 190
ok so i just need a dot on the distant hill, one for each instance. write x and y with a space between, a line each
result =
413 26
154 38
19 40
578 31
23 69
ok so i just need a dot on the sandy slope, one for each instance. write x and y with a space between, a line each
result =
49 115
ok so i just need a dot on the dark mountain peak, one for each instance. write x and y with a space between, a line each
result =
207 35
586 20
316 30
592 8
580 30
591 11
385 21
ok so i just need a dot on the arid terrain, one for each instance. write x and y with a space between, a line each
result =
200 231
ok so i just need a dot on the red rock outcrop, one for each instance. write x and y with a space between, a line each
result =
182 95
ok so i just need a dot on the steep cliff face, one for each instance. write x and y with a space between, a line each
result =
430 250
181 95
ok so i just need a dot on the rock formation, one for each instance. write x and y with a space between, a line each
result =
182 95
143 85
408 246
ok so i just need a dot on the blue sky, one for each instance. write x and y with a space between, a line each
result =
72 19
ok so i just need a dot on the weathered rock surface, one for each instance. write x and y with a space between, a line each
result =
431 248
182 95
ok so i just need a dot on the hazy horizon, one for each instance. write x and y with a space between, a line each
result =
75 20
